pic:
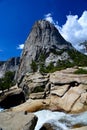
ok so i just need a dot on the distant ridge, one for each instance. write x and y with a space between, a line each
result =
9 65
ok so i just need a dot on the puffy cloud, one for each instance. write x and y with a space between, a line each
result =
49 18
74 30
21 46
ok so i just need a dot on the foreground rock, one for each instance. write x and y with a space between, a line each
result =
17 121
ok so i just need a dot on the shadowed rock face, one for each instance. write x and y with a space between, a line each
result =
12 99
43 39
49 126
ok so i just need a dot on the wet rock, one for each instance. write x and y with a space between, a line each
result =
50 126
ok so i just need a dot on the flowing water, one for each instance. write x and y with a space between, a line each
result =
60 119
1 109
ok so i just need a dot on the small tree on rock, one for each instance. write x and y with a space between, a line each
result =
34 66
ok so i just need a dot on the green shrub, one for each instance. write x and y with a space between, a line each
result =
38 89
42 58
34 66
42 68
78 58
7 81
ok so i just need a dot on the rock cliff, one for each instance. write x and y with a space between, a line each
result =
43 43
9 65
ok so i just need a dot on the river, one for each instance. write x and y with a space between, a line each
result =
60 119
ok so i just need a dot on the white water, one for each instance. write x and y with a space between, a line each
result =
64 121
1 109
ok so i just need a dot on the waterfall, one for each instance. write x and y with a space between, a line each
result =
60 119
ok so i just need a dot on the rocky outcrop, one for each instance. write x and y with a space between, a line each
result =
66 76
9 65
34 81
68 91
44 43
17 121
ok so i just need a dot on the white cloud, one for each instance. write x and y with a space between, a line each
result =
49 18
74 30
21 46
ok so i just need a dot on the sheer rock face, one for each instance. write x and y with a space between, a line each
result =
43 39
9 65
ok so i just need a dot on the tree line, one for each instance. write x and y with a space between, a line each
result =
7 81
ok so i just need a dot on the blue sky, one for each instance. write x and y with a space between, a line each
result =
18 16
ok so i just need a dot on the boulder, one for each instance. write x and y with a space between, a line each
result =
17 121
